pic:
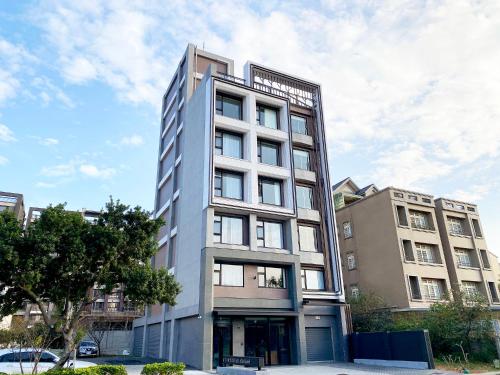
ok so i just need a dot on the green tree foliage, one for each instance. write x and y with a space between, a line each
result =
60 256
369 313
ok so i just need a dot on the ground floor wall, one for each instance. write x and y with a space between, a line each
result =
115 342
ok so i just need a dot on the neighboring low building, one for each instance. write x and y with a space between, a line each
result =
13 202
397 244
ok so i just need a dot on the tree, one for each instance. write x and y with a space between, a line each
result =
60 256
370 313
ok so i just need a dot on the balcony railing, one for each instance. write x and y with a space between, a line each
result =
231 78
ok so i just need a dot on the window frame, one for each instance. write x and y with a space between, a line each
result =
219 174
313 203
221 148
317 241
303 277
308 152
349 227
351 262
260 181
462 253
426 253
437 289
263 237
223 95
260 273
243 226
260 106
453 223
277 145
423 217
301 117
219 271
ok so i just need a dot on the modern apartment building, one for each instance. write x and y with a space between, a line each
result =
13 202
409 248
243 187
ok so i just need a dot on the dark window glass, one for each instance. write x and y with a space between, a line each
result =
299 125
228 184
267 116
270 191
269 234
229 106
304 197
271 277
268 152
228 144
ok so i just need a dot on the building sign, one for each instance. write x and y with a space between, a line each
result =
244 361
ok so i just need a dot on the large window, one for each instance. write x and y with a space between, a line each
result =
420 220
470 288
477 228
301 159
229 106
347 229
351 262
408 251
484 259
308 238
271 277
312 280
270 191
304 197
228 230
299 125
464 258
414 288
456 226
228 184
267 116
269 234
228 144
268 152
228 274
426 253
432 289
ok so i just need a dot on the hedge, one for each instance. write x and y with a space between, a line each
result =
165 368
92 370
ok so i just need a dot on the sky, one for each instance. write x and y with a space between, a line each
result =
411 90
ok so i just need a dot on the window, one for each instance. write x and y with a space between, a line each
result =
308 238
419 220
470 289
401 213
269 191
228 274
228 144
268 152
463 257
398 195
354 291
228 184
414 288
408 251
460 207
267 116
432 289
493 291
448 204
426 253
456 226
347 229
271 277
351 262
301 159
477 228
228 230
412 197
269 234
426 200
229 106
484 259
299 125
471 209
304 197
312 280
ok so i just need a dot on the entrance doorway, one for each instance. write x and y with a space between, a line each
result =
223 341
268 338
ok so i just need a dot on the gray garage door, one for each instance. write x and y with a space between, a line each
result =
138 337
319 344
153 340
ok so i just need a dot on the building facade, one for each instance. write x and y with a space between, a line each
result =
243 188
12 202
408 247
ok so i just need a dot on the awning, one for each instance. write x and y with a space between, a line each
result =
254 312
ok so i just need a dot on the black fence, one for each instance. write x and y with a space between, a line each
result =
408 346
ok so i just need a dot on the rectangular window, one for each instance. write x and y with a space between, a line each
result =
312 280
269 234
354 291
401 213
408 251
493 291
448 204
471 209
470 288
228 274
456 226
347 229
271 277
477 228
270 191
426 200
229 106
267 116
268 152
460 207
304 197
228 184
420 220
464 258
229 144
412 197
351 262
398 195
426 253
301 159
308 240
484 259
414 288
228 230
299 124
433 289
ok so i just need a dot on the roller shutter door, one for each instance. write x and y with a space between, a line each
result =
319 344
138 340
153 340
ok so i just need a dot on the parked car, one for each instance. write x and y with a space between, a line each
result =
12 359
87 348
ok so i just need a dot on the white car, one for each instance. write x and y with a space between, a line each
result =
12 359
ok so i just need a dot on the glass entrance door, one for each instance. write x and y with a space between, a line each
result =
268 338
222 341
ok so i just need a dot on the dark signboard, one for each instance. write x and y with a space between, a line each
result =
244 361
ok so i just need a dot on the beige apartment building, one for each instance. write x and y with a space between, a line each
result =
409 248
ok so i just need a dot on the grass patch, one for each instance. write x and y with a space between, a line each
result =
473 367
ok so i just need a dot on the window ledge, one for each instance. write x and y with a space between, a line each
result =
424 230
410 261
430 264
468 267
273 250
460 235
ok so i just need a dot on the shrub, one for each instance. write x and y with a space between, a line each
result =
165 368
93 370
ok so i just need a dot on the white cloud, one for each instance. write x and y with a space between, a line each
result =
60 170
133 140
48 141
45 185
3 160
6 135
91 170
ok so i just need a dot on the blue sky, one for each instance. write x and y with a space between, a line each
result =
410 89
